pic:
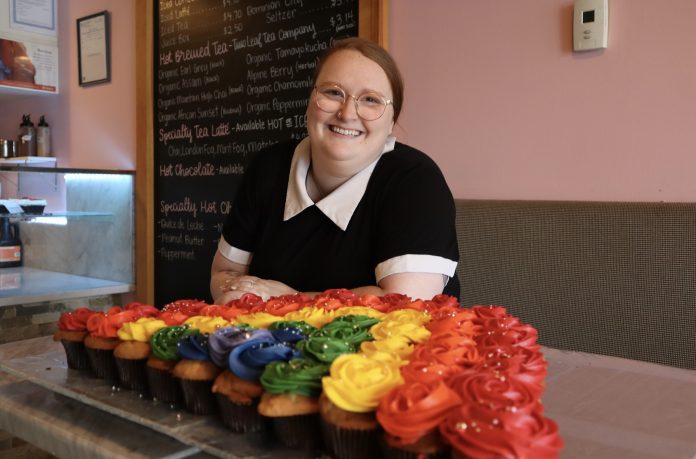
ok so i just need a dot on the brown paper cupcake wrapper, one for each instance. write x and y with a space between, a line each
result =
240 418
198 396
76 355
163 386
350 444
391 452
131 374
103 364
298 431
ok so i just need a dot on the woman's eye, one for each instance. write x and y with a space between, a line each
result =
333 93
371 100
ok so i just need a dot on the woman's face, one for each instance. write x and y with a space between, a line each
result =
344 138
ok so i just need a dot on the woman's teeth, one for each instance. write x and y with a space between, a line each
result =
351 132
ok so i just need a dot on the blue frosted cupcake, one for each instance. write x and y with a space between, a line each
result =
196 373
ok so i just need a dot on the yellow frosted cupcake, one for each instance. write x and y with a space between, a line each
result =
349 400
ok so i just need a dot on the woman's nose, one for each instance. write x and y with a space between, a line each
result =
349 110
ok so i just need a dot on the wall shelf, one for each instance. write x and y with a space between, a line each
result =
23 285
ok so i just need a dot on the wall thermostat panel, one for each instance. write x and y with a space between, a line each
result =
590 24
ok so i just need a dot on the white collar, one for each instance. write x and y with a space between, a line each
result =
340 204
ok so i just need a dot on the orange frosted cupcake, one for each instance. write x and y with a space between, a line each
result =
410 415
71 332
103 337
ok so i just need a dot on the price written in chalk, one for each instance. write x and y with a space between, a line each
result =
340 21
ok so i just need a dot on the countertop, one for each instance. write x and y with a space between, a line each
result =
606 407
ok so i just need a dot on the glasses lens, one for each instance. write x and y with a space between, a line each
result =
371 106
330 98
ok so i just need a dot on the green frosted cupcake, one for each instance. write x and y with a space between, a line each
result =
163 385
291 400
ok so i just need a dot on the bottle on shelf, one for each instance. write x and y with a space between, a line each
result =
43 138
27 137
10 244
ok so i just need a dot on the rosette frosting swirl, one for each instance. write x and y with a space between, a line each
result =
163 341
356 383
424 405
303 327
477 431
248 359
206 324
222 341
298 376
316 317
193 347
75 320
141 330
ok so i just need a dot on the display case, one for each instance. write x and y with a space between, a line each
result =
81 244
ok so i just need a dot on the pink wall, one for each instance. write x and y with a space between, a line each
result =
497 97
92 127
494 94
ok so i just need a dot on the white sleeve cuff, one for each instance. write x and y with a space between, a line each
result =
234 254
415 264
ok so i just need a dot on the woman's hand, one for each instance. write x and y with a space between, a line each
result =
237 286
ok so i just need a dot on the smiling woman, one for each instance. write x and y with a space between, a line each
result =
346 207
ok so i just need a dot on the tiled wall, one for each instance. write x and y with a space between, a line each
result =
24 321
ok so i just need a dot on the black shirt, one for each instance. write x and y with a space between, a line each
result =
406 210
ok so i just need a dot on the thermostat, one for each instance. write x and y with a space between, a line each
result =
590 24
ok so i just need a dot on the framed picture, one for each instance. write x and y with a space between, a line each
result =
93 49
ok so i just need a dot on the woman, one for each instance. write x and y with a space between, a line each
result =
346 207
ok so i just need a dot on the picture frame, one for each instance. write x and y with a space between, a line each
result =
94 49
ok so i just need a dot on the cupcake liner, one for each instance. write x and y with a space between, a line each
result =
198 396
350 444
297 431
392 452
76 355
131 374
163 386
240 418
103 364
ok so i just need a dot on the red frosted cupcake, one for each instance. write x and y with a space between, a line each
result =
474 430
71 332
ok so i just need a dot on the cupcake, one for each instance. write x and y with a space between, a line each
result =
291 400
475 430
71 332
162 360
343 335
133 351
237 398
410 415
196 373
237 401
347 405
103 339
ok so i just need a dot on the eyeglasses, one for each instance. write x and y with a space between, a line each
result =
369 106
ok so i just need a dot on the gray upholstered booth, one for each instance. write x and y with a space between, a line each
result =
609 278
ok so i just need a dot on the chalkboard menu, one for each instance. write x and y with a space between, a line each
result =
231 77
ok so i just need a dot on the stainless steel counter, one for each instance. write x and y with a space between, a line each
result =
606 408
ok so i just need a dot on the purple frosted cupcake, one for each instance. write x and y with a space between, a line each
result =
246 361
237 398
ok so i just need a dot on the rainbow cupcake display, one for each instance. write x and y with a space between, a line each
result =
354 376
